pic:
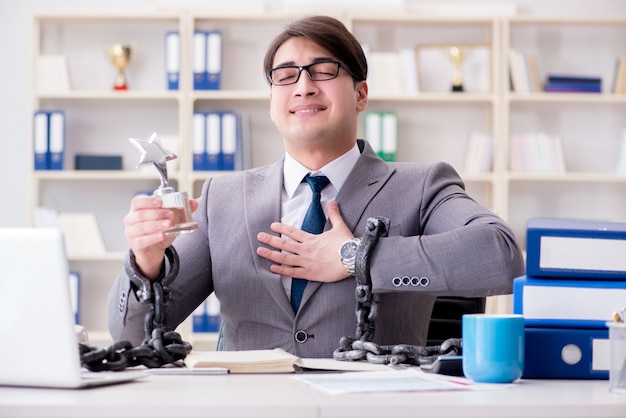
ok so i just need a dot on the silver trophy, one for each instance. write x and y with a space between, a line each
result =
153 152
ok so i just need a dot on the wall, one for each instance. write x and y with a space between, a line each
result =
15 33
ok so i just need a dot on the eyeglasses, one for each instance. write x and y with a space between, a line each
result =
318 71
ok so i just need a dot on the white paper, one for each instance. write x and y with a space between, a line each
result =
384 381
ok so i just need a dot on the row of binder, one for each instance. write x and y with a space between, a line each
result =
49 139
575 279
381 131
207 60
218 142
206 317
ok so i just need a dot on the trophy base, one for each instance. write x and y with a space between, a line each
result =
184 228
177 202
122 87
457 88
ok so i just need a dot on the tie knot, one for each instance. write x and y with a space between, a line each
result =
317 183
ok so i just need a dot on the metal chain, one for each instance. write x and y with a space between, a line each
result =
159 347
362 347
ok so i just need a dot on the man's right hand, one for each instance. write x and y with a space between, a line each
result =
144 227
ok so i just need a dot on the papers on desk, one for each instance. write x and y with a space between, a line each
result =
384 381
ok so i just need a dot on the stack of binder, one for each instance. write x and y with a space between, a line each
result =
207 60
219 141
49 139
206 317
381 131
575 279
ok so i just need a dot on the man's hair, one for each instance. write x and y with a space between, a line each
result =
330 34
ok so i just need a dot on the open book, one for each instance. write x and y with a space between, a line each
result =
271 361
251 361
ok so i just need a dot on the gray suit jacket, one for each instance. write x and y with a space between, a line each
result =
437 232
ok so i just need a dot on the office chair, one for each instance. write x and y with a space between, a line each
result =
446 319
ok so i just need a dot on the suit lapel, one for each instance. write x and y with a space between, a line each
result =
368 177
262 206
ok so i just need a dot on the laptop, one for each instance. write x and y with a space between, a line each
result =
39 342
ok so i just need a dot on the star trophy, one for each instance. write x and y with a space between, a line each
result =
121 56
456 56
152 152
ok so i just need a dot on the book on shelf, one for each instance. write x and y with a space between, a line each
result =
478 153
82 234
537 152
569 248
386 73
519 72
567 303
619 76
533 74
573 84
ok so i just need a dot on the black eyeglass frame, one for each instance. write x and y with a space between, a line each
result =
340 65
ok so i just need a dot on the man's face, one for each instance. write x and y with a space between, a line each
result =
315 114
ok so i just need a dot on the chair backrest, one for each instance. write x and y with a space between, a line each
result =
446 319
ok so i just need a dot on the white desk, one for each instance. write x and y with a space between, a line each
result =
279 396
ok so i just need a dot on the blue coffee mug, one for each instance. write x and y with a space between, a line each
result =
493 347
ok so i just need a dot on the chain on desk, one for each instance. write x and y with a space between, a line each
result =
159 347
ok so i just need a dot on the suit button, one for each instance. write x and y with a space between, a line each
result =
122 302
397 281
301 336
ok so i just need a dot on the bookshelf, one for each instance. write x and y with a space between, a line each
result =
433 124
590 125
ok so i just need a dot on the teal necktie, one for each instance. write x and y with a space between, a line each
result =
314 222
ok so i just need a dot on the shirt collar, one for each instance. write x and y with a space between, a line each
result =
337 170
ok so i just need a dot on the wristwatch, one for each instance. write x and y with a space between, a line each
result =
347 252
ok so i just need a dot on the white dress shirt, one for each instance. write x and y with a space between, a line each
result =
296 196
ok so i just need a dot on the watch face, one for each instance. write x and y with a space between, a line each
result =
348 250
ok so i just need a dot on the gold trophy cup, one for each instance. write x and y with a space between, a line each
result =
456 56
121 56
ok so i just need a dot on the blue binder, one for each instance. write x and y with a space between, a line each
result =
213 60
56 139
576 249
206 317
229 140
172 59
567 303
564 353
213 140
199 61
199 142
40 140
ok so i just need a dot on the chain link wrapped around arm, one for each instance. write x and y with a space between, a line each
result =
361 347
159 347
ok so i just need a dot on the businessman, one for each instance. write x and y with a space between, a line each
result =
255 243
